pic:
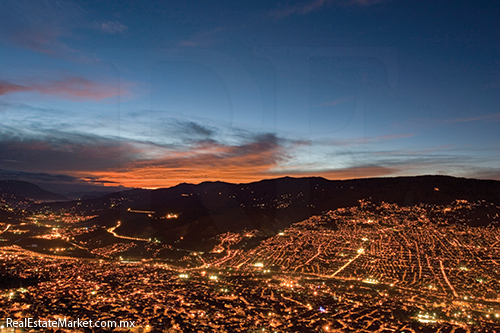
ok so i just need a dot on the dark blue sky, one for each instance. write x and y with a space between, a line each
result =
155 93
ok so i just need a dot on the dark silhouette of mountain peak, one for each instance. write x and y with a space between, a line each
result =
29 190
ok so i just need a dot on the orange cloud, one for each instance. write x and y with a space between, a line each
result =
73 88
139 164
212 161
208 161
232 171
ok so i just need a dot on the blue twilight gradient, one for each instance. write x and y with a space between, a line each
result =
337 88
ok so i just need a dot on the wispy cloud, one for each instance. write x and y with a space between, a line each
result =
431 122
202 39
112 27
350 162
5 106
339 101
39 25
364 140
361 171
193 129
72 88
207 160
49 26
59 152
35 176
315 5
134 163
489 117
299 9
199 153
60 183
482 173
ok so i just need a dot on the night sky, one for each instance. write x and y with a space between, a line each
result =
156 93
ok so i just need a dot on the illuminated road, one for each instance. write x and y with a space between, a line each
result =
112 231
310 259
78 246
4 230
230 254
360 252
446 279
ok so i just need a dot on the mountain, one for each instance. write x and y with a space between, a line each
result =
190 214
28 191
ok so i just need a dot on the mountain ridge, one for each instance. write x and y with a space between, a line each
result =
188 213
29 190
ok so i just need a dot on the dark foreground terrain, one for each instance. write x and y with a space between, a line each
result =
428 261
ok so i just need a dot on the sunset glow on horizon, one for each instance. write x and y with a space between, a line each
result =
95 96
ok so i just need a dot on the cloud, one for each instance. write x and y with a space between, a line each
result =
364 140
39 25
489 117
339 101
262 152
60 183
483 173
49 27
366 171
199 153
72 88
315 5
141 163
431 122
40 177
5 106
202 39
443 159
300 9
112 27
207 160
434 160
35 176
64 153
193 129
